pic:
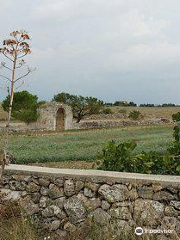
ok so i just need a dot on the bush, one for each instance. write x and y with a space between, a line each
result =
119 157
135 115
123 111
107 111
176 117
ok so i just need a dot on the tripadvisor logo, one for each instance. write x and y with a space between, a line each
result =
139 231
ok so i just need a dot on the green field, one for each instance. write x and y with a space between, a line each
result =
84 145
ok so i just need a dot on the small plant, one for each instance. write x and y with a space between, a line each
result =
107 111
134 115
123 111
176 117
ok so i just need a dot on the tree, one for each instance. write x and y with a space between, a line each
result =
14 50
24 106
81 106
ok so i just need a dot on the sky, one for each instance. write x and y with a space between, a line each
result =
112 50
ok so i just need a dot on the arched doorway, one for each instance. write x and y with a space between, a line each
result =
60 118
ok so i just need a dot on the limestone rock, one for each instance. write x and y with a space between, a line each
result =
175 204
148 212
99 216
44 182
79 186
28 206
163 196
55 191
59 202
44 202
69 188
51 211
145 192
44 191
105 205
88 193
92 203
32 187
55 225
114 193
17 186
69 227
75 209
122 213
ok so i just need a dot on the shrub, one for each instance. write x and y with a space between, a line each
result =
107 111
134 115
176 117
119 157
123 111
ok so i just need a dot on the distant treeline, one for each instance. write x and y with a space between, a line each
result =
132 104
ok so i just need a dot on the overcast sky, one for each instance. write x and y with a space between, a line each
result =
113 50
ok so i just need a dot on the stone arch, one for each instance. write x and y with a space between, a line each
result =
55 116
60 119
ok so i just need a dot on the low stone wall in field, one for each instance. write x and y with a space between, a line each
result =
60 200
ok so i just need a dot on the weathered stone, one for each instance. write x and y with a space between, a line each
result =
18 177
122 213
69 188
92 203
88 193
44 202
35 197
44 182
120 228
61 234
105 205
82 198
32 187
27 179
61 215
148 212
10 195
69 227
17 186
99 216
175 204
55 191
122 204
79 186
163 196
171 212
44 191
114 193
51 211
145 192
28 206
93 186
6 179
156 187
133 194
59 202
75 209
55 225
59 182
172 190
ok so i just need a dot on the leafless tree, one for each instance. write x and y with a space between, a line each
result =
14 50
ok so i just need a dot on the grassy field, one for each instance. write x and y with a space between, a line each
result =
84 145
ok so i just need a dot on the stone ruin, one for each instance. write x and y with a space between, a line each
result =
55 116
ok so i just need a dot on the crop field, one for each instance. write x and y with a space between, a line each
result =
78 146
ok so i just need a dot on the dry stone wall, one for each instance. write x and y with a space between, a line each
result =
62 200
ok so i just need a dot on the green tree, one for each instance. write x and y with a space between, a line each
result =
24 106
81 106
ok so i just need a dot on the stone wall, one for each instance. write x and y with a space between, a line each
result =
62 199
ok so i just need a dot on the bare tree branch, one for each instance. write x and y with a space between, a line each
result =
20 85
4 66
5 77
8 57
29 71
